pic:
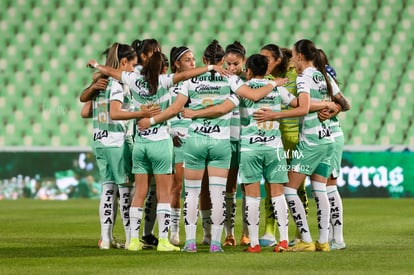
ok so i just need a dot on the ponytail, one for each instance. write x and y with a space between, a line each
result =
320 63
152 70
214 53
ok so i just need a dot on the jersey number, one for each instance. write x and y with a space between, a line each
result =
265 125
103 113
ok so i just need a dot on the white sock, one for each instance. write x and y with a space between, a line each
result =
135 217
190 209
124 205
175 220
336 213
252 219
216 233
245 229
107 210
323 210
164 219
217 186
230 214
281 214
298 213
150 209
190 232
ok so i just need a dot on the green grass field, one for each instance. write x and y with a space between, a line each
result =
60 237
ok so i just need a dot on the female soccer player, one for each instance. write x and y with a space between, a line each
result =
113 141
144 49
336 238
182 59
262 155
234 60
280 66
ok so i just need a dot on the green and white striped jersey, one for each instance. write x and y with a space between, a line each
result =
311 130
141 100
178 123
108 132
235 120
262 135
235 124
205 90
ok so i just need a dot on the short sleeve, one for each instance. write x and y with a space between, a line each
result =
301 84
235 83
130 78
184 88
235 99
166 80
117 93
285 95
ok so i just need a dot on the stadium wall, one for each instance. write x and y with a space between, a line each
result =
367 171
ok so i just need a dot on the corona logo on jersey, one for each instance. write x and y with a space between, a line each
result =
216 77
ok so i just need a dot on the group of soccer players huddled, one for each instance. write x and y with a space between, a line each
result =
163 126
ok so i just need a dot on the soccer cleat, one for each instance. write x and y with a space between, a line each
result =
135 245
254 249
215 248
302 246
267 240
149 241
190 247
116 244
165 246
337 246
282 246
175 238
244 240
207 240
229 241
107 245
294 241
104 245
324 247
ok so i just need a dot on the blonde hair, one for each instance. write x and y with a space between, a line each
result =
118 51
